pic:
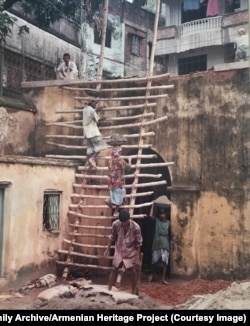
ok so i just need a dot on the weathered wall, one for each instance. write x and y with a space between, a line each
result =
15 122
207 137
26 246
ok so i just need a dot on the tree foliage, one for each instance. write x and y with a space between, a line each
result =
46 12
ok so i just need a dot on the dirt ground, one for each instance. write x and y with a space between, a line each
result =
178 294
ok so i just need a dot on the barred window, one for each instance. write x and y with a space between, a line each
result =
51 210
192 64
135 45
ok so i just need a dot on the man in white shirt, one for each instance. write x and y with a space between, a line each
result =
67 69
241 45
95 143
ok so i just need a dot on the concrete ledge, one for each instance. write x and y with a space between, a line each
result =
13 159
232 66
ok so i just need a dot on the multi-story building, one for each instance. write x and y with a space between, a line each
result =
198 34
33 55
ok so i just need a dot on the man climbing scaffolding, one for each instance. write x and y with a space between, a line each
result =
117 167
95 143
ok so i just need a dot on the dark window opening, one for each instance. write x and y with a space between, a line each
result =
149 49
232 5
190 15
192 64
98 37
51 211
135 41
229 53
162 61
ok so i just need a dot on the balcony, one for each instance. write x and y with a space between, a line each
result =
205 24
191 35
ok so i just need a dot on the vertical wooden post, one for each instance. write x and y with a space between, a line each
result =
1 68
104 29
149 82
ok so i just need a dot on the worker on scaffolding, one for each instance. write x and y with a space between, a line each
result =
127 238
117 167
95 143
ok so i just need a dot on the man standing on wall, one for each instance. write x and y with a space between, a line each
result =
67 69
241 45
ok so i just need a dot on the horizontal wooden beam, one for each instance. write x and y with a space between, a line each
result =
138 194
98 217
110 108
110 90
71 264
130 98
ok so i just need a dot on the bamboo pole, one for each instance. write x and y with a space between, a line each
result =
92 217
131 98
70 264
151 133
62 124
79 254
131 117
147 97
79 244
138 185
65 136
91 227
72 206
124 89
112 108
140 194
138 124
113 81
127 176
104 29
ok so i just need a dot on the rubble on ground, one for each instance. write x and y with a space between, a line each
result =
236 296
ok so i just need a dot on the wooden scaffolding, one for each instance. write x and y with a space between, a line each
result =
128 105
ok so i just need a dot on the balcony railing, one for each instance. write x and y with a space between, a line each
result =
201 25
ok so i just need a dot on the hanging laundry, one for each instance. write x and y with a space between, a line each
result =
191 5
212 8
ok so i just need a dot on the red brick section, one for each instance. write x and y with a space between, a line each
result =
232 19
167 32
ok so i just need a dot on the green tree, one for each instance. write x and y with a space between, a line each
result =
46 12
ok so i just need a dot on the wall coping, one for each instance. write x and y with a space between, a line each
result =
15 159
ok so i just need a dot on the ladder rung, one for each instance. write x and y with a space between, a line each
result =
78 254
64 263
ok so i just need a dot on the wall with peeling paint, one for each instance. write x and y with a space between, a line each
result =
207 137
26 246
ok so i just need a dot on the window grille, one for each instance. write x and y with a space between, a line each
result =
18 68
135 45
192 64
51 211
